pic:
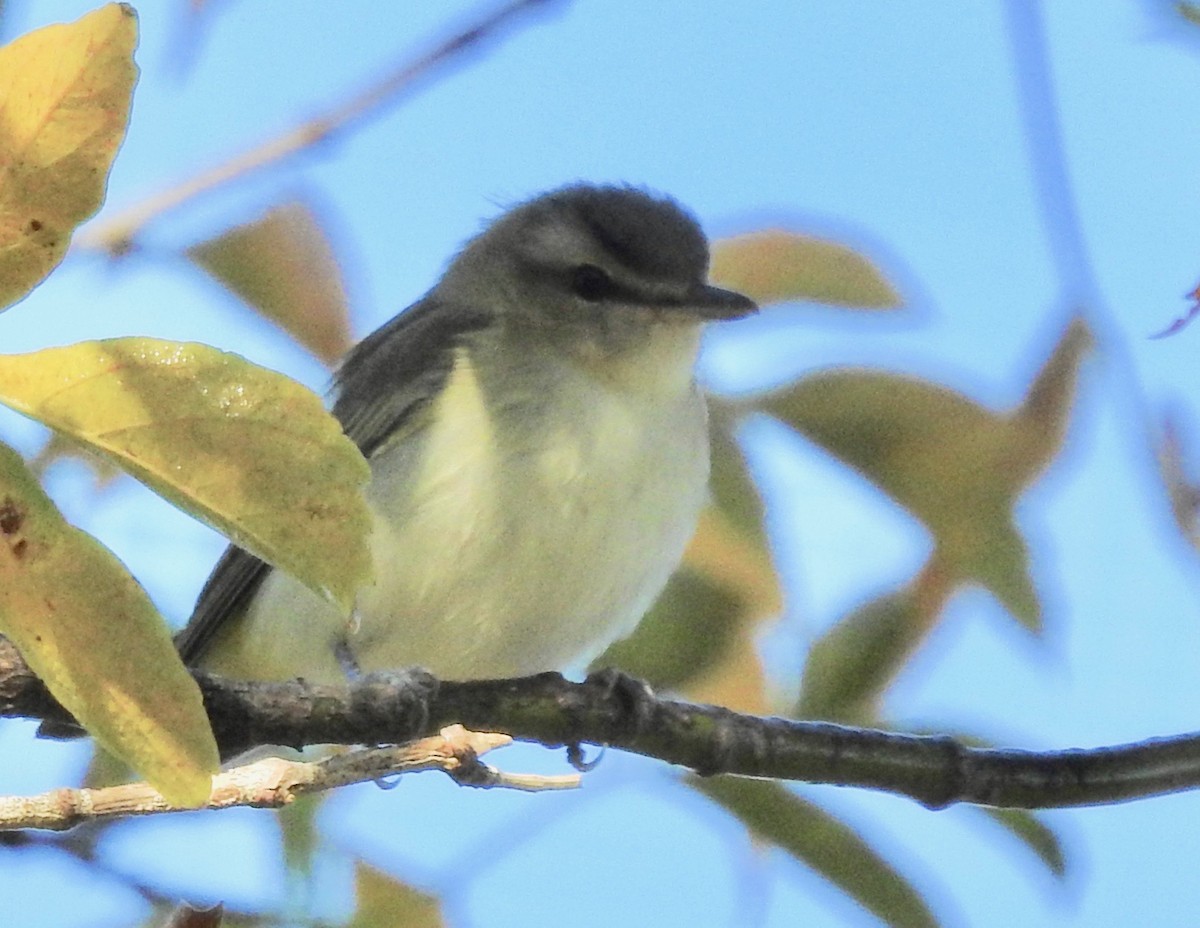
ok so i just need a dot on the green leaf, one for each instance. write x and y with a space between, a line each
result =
1035 835
957 466
89 631
685 633
249 451
851 664
935 452
64 109
385 902
820 841
777 266
283 266
733 489
300 838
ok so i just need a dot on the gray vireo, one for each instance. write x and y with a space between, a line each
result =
538 449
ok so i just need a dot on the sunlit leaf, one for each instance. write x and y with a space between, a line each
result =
384 902
777 266
817 839
283 266
93 636
249 451
63 112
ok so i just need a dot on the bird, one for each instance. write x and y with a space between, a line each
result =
538 448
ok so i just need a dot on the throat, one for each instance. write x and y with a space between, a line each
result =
659 364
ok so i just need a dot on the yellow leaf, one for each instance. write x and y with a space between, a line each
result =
283 266
63 112
777 265
249 451
90 632
726 555
384 902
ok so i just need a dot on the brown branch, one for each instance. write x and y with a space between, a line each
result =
274 782
614 711
116 234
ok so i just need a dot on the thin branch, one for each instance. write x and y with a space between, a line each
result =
116 234
611 710
274 782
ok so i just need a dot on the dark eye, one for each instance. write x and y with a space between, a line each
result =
591 283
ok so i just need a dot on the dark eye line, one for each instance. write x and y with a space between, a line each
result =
592 283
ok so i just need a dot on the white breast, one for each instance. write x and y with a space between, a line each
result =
513 538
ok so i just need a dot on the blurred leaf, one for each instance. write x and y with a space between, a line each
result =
1035 835
685 632
284 267
741 564
954 464
103 770
820 841
733 489
298 829
854 661
1039 425
778 266
699 635
1182 490
60 448
249 451
92 635
933 451
1189 11
67 93
385 902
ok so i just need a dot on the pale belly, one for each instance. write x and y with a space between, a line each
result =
501 556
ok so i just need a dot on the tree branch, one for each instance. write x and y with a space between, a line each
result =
273 782
607 709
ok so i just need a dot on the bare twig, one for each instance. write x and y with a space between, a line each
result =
274 782
116 234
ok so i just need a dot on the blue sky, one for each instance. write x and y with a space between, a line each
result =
897 128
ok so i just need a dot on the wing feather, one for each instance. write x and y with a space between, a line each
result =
382 387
